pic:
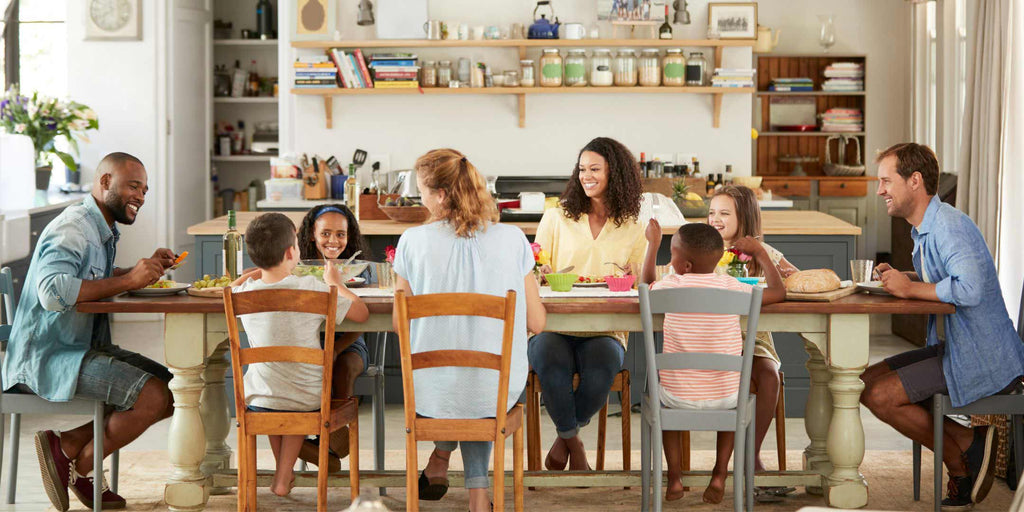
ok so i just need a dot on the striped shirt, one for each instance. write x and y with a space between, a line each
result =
701 332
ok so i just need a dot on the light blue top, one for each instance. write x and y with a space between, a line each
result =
434 260
983 352
49 337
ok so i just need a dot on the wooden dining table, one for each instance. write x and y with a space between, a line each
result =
837 341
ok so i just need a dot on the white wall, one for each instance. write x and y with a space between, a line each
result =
118 79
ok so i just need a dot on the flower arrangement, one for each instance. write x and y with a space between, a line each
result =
735 262
389 254
43 119
540 256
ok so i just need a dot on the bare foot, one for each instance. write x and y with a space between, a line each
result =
577 455
716 490
281 488
558 456
675 489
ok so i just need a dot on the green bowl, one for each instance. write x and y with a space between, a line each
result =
561 282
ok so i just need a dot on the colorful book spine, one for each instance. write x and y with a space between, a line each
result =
355 70
397 85
363 69
391 63
338 64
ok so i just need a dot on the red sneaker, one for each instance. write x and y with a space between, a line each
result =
55 468
82 487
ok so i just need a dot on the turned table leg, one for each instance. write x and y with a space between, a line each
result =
818 412
848 357
214 410
184 350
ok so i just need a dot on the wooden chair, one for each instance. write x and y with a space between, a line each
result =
533 393
497 429
332 415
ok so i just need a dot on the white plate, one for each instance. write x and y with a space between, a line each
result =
591 285
355 282
874 287
160 292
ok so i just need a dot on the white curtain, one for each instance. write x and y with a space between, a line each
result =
1010 250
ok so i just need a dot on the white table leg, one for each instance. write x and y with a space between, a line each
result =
818 412
214 411
185 352
848 357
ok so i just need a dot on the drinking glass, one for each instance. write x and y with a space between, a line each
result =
385 275
827 36
860 270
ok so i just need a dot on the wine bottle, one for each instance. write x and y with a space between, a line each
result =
665 31
232 254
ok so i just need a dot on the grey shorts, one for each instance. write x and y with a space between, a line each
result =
116 376
920 371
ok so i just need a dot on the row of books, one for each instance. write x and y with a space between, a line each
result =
842 120
352 70
791 85
844 77
733 77
315 72
395 70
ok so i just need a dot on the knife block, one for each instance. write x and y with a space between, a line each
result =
314 181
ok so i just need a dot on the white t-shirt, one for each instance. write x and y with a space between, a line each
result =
286 386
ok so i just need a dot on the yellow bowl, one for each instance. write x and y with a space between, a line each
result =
753 182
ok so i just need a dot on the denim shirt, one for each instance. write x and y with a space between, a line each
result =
49 337
983 353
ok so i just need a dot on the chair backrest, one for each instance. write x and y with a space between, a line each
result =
455 304
700 300
7 300
267 301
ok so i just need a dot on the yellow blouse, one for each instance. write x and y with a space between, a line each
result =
571 243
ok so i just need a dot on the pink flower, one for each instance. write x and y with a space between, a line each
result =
745 258
389 254
535 247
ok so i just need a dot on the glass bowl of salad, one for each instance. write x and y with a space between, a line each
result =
316 268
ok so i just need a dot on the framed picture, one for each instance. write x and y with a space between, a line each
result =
733 20
314 19
112 20
631 10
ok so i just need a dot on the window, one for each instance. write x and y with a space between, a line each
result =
43 47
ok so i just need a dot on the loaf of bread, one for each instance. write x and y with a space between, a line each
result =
812 281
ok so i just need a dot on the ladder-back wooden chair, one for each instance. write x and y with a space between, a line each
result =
497 429
332 415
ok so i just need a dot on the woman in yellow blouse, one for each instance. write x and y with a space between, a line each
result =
594 225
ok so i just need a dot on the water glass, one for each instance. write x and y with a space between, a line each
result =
385 275
860 270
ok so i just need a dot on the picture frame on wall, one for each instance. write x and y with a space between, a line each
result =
314 19
733 20
113 20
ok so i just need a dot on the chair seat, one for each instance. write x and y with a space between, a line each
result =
1001 404
300 423
440 429
26 403
723 420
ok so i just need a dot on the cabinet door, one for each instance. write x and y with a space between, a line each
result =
852 210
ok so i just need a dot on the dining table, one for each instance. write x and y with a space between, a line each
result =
836 334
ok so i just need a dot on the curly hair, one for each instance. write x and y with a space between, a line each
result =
468 206
307 234
622 198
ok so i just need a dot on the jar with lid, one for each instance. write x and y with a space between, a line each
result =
649 69
428 74
576 68
696 69
551 68
444 73
527 76
512 78
674 67
625 68
601 74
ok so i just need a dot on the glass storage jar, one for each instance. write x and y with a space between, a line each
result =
512 78
444 73
696 69
551 68
601 68
428 74
674 67
527 75
576 68
625 68
649 68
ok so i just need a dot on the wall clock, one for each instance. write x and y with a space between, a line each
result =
113 20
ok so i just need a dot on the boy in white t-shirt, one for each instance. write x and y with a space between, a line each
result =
696 249
286 387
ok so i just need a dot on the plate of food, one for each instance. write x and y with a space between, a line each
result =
209 287
590 282
160 288
355 282
874 287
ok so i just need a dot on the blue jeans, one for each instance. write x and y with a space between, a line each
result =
556 357
476 456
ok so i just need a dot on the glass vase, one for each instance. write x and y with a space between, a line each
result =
737 269
827 35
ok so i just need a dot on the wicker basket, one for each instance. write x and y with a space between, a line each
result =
406 213
841 169
1002 424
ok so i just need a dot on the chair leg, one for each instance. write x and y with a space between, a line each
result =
656 473
748 483
3 419
645 463
353 458
937 418
602 431
532 423
780 422
685 444
97 457
12 461
243 467
412 490
917 471
250 473
739 457
517 468
499 472
627 435
379 435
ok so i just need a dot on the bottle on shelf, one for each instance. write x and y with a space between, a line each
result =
232 255
352 192
710 184
719 182
643 165
665 31
728 175
265 19
254 80
696 169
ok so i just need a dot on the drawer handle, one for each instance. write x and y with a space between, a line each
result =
842 185
786 185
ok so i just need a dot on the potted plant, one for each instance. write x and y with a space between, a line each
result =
690 203
44 119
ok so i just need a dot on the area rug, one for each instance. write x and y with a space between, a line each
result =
888 474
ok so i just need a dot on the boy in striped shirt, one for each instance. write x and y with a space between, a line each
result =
696 249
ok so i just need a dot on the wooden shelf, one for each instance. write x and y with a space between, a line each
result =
243 158
807 134
811 93
245 42
225 99
525 43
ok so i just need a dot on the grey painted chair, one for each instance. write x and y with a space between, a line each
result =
16 404
1012 405
657 418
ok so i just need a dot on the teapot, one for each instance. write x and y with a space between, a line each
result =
765 43
542 28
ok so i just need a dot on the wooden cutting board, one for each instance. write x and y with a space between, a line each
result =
819 297
214 292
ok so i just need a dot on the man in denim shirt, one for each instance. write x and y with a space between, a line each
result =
59 353
981 354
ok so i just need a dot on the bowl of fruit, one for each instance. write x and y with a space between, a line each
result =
405 209
690 203
316 268
209 287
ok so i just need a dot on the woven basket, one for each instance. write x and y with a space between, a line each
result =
841 169
1002 424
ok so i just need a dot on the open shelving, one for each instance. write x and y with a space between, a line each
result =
716 93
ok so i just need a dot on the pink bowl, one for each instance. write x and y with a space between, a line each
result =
620 284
